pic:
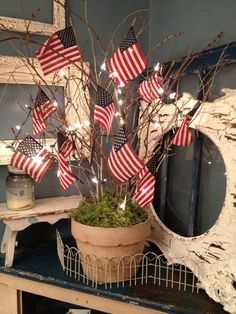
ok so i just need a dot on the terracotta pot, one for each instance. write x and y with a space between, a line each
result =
110 254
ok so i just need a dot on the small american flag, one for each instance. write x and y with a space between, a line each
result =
183 136
123 162
152 88
144 193
104 109
31 157
65 148
42 110
59 51
128 61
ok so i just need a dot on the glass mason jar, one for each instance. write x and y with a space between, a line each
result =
19 190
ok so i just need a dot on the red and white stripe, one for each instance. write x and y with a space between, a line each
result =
38 124
183 136
65 174
125 163
151 89
35 166
128 64
104 116
53 56
144 193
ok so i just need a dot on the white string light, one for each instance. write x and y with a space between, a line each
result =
103 67
209 162
62 73
87 122
121 84
55 104
122 121
58 173
26 106
18 127
172 95
157 67
119 91
117 114
120 102
95 180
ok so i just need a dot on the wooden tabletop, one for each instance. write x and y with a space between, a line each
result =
42 206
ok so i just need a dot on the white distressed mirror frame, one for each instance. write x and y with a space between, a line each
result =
212 255
34 27
16 70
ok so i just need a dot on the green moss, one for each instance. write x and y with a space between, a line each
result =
105 213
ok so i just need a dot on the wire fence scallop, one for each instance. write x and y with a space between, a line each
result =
148 268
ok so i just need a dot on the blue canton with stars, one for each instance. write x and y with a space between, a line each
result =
129 40
121 140
41 98
67 37
103 97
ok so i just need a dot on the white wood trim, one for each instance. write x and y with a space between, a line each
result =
16 70
74 297
34 27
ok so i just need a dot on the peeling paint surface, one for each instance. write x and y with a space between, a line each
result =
212 255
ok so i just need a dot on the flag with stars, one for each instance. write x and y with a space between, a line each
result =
152 88
31 157
145 189
183 136
42 110
59 51
104 109
65 148
123 162
128 61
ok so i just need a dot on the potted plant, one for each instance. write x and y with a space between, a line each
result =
109 234
103 142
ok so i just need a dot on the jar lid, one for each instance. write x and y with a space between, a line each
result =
15 170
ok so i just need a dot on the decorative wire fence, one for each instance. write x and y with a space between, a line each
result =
148 268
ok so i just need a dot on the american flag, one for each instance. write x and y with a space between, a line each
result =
59 51
123 162
183 136
128 61
104 109
152 88
31 157
42 110
145 189
65 148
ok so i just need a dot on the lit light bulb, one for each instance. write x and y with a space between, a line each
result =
122 121
103 67
87 122
117 114
55 104
157 67
161 90
18 127
26 106
62 73
172 95
119 91
122 84
95 180
157 124
209 162
105 180
120 102
58 173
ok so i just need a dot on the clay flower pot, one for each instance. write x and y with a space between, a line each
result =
110 254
